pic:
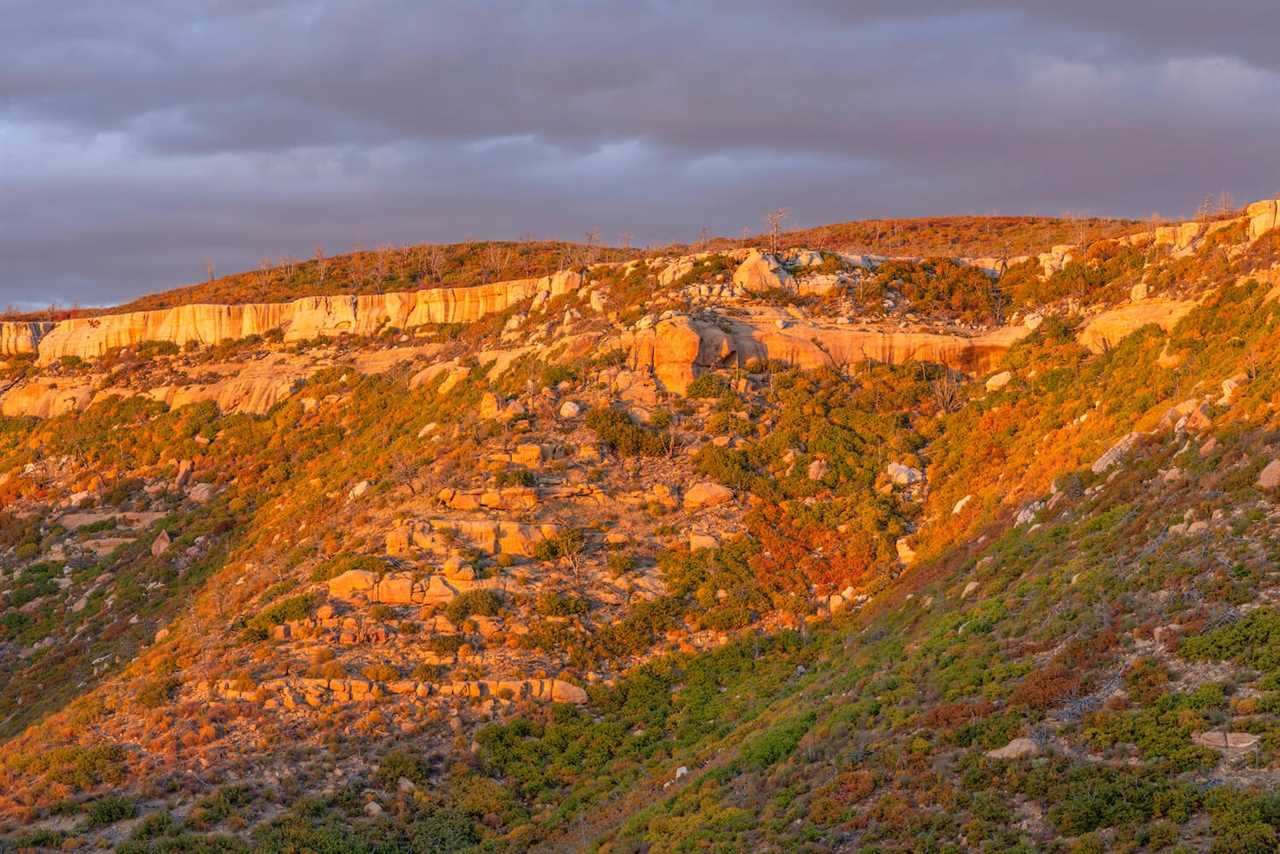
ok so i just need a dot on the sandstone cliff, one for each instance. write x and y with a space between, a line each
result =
678 349
311 317
18 337
1108 328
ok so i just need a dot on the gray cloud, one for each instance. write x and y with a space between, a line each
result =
139 139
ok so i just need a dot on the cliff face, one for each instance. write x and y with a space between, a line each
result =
18 337
679 349
1108 328
311 317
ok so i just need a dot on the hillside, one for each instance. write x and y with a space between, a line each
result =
403 268
715 550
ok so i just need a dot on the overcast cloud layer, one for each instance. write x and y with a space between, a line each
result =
139 140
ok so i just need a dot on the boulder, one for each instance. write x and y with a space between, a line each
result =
1019 748
760 273
1229 741
352 583
818 469
999 381
960 505
1115 453
706 494
906 554
528 455
1269 477
702 541
566 692
903 475
1263 217
160 544
569 409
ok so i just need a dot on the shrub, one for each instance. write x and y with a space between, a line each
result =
708 386
110 809
620 563
553 375
777 743
398 764
622 435
553 604
516 477
381 673
338 564
293 608
485 603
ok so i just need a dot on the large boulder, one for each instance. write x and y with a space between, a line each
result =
1263 216
760 273
903 475
352 583
1269 477
1019 748
706 494
1115 453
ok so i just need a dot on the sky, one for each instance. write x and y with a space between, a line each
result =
143 140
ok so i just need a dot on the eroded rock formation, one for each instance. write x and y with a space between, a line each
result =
310 317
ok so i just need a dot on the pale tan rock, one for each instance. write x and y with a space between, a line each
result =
351 583
761 273
1263 217
565 692
21 337
1269 477
160 544
1227 741
998 381
904 475
528 455
699 540
706 494
303 319
1019 748
906 554
1116 452
1110 327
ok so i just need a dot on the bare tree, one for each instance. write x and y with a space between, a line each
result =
775 226
208 269
435 262
591 251
322 265
496 258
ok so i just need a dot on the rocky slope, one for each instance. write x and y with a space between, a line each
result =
809 552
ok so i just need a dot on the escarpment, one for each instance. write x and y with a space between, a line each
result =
312 317
18 337
679 349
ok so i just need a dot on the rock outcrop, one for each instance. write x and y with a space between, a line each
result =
1263 216
761 273
1106 329
679 349
303 319
20 337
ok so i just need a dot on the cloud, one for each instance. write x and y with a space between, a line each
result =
139 139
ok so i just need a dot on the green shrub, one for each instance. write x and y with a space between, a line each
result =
553 375
622 435
482 602
398 764
708 385
777 743
338 564
516 477
293 608
109 809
